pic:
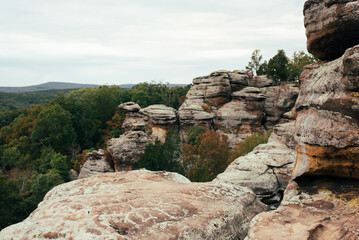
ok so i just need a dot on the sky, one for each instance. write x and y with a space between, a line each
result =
119 42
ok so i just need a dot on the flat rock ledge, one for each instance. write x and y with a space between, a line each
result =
140 205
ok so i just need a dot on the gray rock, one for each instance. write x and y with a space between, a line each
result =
130 107
160 114
95 164
140 205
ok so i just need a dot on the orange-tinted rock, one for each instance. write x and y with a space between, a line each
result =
327 124
316 211
331 27
139 205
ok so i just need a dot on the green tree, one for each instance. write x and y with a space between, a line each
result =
278 67
162 157
42 183
50 160
297 63
256 61
11 158
54 129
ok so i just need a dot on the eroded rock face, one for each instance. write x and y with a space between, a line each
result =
266 170
312 210
279 100
331 27
139 205
327 127
128 149
95 164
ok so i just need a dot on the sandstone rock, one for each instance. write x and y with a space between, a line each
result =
280 99
238 80
95 164
73 174
128 149
134 121
266 170
160 114
130 107
327 127
261 81
243 115
193 111
331 27
139 205
314 212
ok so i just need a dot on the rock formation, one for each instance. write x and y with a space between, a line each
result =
235 104
96 163
331 27
141 127
322 200
140 205
267 169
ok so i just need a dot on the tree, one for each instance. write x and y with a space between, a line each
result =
54 129
208 157
255 63
278 67
297 63
50 160
42 183
162 157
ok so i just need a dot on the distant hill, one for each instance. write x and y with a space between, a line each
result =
63 86
47 86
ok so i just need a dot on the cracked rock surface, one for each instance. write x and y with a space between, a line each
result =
139 205
266 170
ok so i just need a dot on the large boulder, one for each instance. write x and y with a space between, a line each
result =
96 163
327 126
139 205
128 149
331 27
266 170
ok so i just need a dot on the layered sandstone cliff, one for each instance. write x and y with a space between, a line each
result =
322 200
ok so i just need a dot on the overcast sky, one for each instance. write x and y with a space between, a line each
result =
118 42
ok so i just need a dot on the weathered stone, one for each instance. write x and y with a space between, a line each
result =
331 27
128 149
134 121
130 107
160 114
267 169
139 205
238 80
96 163
327 127
280 99
261 81
316 211
73 174
243 115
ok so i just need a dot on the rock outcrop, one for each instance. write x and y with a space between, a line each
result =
235 104
322 200
139 205
267 169
96 163
331 27
141 127
327 127
128 149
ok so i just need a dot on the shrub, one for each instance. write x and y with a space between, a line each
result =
249 144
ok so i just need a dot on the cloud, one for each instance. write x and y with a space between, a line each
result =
116 41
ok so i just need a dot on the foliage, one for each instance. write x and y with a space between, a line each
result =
11 158
54 129
207 158
297 63
51 160
42 183
159 157
247 146
193 132
278 67
256 61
